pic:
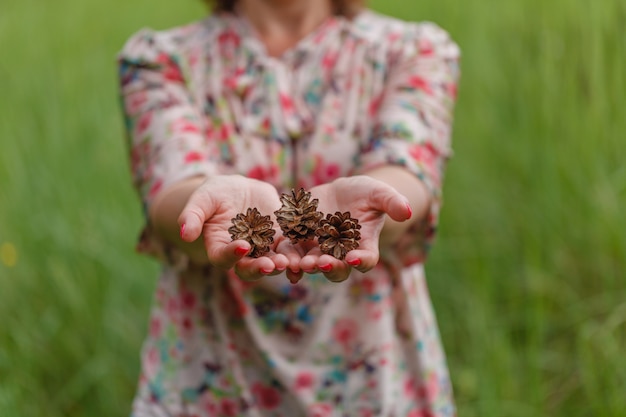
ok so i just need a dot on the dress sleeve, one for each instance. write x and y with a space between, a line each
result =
165 127
413 122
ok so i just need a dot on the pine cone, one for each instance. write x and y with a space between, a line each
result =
256 229
338 234
298 218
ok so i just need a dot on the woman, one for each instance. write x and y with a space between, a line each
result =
262 97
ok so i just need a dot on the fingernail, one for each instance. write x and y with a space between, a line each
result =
309 271
354 262
326 268
281 269
241 251
266 271
408 209
182 230
295 271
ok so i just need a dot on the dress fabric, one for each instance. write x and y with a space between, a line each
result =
206 99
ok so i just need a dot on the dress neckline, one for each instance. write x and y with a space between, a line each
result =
319 36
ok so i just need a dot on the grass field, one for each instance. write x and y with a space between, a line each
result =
528 275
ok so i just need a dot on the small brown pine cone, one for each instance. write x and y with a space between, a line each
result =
338 234
256 229
298 217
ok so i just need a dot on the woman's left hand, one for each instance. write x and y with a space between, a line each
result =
368 200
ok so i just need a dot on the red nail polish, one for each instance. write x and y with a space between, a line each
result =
266 271
354 262
408 209
326 268
241 251
182 230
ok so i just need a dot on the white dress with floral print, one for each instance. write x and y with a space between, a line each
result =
207 99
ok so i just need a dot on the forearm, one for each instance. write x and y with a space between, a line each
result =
413 189
164 212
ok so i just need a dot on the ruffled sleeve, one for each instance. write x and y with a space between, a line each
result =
413 122
165 127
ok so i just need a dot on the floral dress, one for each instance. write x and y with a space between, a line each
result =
207 99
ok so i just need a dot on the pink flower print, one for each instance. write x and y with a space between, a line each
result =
452 90
162 58
151 362
188 300
155 188
225 132
228 407
425 47
286 103
172 306
172 73
137 154
170 70
134 102
229 37
185 126
426 155
345 331
143 123
375 313
368 284
329 59
423 391
263 173
193 156
420 83
194 57
432 386
208 404
266 397
324 173
375 104
321 410
186 326
155 327
304 380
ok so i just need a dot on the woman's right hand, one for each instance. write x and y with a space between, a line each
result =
209 211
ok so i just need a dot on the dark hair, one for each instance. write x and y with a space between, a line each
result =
348 8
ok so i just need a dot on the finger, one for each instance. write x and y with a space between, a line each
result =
308 264
334 269
293 255
280 263
252 269
387 199
197 211
294 277
362 259
225 254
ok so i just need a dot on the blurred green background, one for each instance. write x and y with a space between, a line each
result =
528 273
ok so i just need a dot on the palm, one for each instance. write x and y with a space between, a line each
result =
367 200
210 211
351 195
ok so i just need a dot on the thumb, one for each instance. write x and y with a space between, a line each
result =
197 211
383 197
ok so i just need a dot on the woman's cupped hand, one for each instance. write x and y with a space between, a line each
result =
219 199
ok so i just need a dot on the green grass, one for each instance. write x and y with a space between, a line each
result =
528 274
